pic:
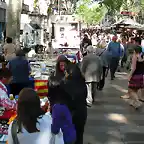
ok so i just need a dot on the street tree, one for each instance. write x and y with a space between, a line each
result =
90 13
131 6
112 5
14 8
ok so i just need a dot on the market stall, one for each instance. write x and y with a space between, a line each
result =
38 81
126 22
41 68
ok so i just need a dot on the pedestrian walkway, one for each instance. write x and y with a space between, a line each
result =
111 120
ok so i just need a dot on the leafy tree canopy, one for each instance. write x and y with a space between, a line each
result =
91 13
112 5
128 5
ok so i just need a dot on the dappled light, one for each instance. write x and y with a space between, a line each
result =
121 77
117 118
119 88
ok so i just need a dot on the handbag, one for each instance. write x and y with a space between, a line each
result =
14 132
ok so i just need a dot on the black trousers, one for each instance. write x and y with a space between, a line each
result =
102 81
15 88
124 60
114 62
79 120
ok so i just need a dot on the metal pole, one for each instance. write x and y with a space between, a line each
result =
59 7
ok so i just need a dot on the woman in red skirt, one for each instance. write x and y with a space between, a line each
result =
136 77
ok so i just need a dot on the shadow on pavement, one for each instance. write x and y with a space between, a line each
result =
111 120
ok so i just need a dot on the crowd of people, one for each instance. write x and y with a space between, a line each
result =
71 88
68 106
115 53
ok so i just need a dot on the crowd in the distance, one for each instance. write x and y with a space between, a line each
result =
71 88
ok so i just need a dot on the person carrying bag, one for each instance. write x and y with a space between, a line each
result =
32 125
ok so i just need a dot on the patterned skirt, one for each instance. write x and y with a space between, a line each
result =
136 82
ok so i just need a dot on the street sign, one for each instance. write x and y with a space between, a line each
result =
127 13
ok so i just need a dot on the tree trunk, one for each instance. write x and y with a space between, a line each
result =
14 8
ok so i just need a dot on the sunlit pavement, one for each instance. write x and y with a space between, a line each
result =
111 120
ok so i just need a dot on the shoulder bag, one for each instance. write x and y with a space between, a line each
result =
14 132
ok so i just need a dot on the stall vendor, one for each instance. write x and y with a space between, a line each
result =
5 103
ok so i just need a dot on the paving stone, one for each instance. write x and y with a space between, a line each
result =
103 138
133 142
134 137
139 122
111 120
107 123
101 129
131 128
110 101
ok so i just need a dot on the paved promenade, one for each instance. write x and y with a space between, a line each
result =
111 120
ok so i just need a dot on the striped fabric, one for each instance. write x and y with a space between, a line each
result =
41 88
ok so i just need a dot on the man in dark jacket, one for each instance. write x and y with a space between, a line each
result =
68 84
86 41
20 69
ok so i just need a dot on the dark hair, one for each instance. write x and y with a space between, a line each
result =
138 49
138 40
28 110
85 35
9 40
62 58
20 53
5 73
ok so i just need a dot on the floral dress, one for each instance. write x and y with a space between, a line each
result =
7 109
5 102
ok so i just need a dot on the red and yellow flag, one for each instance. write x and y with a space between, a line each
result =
41 87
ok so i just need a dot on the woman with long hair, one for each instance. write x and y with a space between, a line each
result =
136 77
33 125
68 85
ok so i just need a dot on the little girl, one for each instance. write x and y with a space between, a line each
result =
62 119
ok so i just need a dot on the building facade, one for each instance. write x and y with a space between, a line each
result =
2 17
34 22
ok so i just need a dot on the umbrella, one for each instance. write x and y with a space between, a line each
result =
127 21
134 27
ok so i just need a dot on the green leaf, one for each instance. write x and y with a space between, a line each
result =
90 14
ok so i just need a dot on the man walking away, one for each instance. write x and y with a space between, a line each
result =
91 68
115 52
